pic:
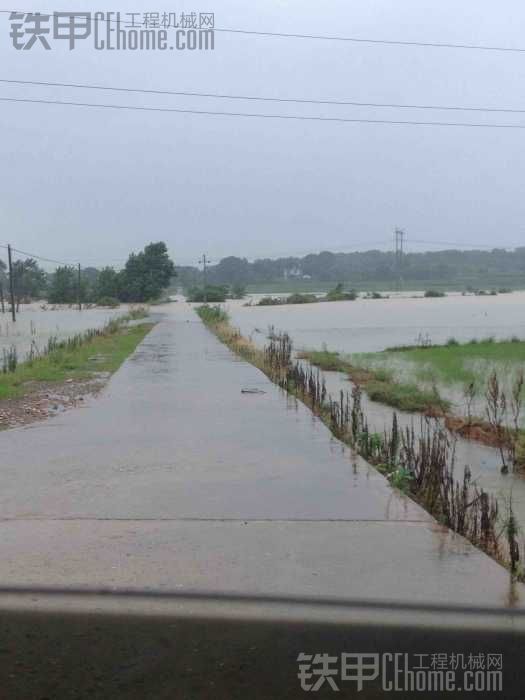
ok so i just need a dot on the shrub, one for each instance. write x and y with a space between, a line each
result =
292 299
301 299
238 291
434 294
112 302
269 301
212 314
338 294
213 294
136 313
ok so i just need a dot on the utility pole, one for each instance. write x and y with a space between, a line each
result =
11 283
79 288
399 239
204 261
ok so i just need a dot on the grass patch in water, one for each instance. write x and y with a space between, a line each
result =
406 397
325 359
454 362
379 383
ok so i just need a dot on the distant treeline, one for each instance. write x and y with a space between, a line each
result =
144 278
355 269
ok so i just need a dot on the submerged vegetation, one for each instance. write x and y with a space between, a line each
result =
422 464
336 294
339 294
453 362
500 422
214 294
379 384
292 299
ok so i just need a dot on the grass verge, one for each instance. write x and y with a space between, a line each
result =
217 319
103 352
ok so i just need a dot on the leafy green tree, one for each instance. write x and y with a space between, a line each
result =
230 270
146 274
63 288
29 280
107 284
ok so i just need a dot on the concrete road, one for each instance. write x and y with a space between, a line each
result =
175 480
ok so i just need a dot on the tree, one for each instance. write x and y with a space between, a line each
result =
230 270
107 284
29 280
63 288
146 274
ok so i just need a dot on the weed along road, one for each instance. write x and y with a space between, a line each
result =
174 478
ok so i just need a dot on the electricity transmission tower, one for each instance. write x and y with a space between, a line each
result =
204 261
399 241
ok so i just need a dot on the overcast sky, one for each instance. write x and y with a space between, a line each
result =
91 184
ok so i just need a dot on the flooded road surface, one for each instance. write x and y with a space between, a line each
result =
175 479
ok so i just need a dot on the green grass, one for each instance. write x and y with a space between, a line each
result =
211 315
454 362
406 397
325 360
62 364
379 383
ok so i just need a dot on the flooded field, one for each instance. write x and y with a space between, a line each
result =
373 325
370 325
36 325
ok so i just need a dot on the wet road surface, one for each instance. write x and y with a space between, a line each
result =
175 480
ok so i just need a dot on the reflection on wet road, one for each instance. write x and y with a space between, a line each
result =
175 478
369 325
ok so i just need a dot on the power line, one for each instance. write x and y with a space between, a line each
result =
37 257
289 117
54 261
387 42
458 245
259 98
325 37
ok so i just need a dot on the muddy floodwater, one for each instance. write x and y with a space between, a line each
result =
36 325
367 325
370 325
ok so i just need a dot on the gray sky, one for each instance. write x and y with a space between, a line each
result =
92 184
